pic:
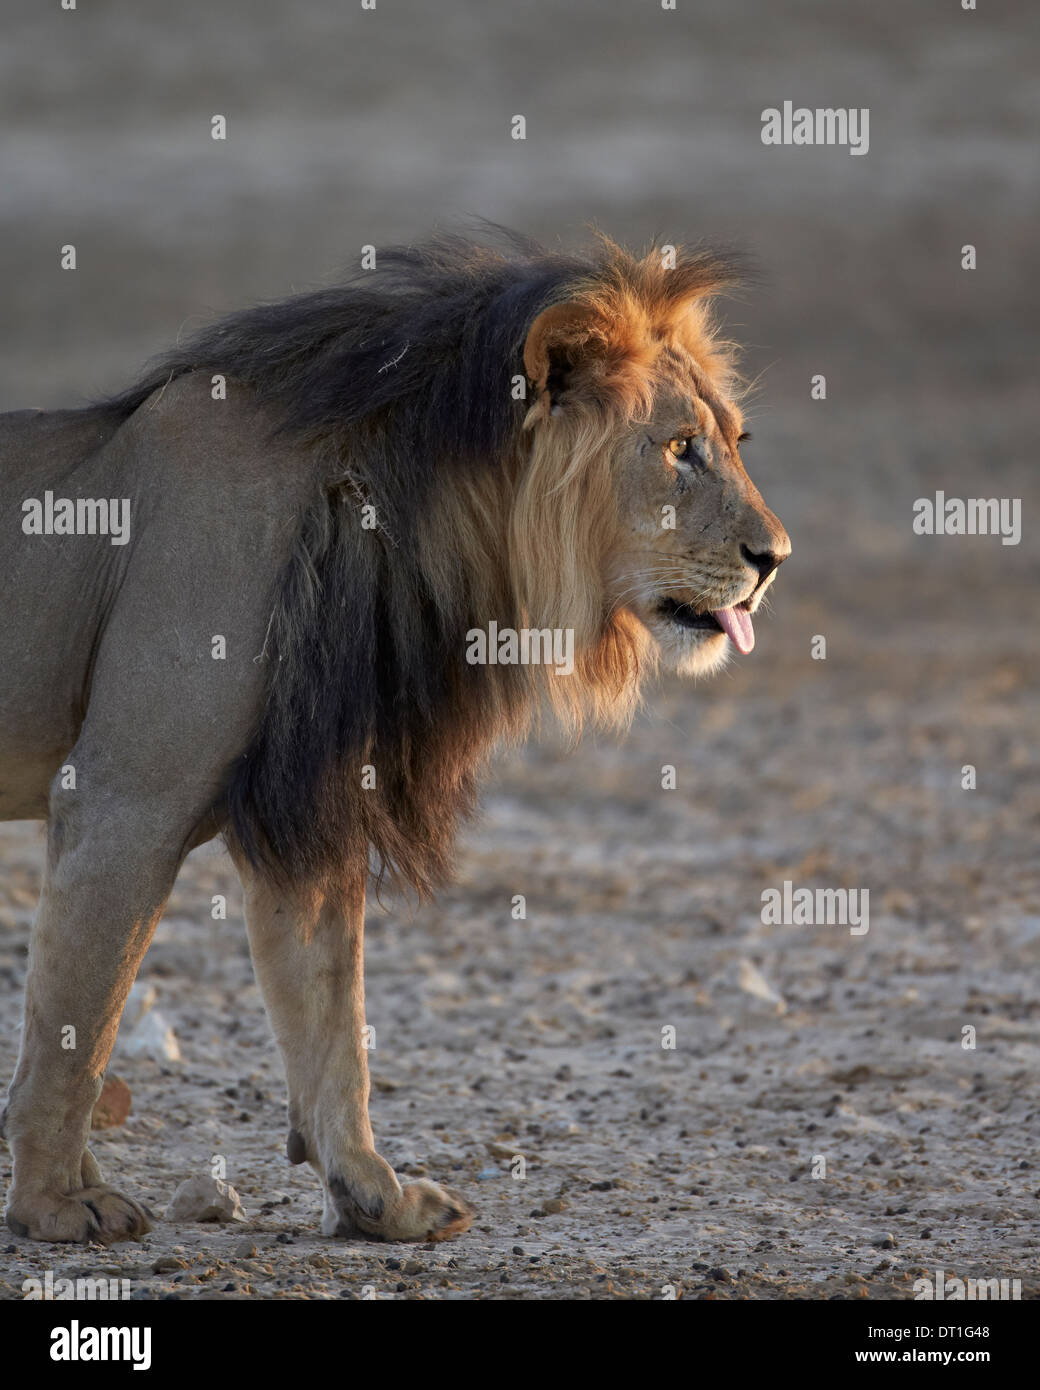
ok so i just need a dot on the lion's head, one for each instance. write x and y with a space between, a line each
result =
635 477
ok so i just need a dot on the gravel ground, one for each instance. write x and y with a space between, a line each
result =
648 1168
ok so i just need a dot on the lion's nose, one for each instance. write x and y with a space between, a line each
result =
765 561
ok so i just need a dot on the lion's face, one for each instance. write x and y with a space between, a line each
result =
698 546
656 535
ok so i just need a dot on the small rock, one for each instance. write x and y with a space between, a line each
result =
205 1199
414 1267
554 1206
168 1262
752 981
245 1250
885 1243
113 1104
141 998
497 1150
153 1037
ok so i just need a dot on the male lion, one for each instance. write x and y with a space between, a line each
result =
345 487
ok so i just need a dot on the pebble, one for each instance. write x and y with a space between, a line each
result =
152 1038
205 1199
141 998
752 981
113 1104
507 1151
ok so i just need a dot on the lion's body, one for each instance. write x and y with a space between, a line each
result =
87 623
277 651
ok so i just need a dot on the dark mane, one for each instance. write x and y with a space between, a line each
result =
414 358
402 379
421 341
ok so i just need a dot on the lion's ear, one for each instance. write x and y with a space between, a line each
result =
558 341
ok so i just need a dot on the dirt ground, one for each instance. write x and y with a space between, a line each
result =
649 1171
648 1167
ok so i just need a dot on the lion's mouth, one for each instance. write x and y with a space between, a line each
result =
734 622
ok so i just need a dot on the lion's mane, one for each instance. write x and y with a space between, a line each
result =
404 381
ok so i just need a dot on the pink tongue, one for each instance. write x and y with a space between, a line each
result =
736 624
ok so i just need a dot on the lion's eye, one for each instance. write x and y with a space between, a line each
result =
681 449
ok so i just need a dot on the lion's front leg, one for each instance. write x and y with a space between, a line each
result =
308 953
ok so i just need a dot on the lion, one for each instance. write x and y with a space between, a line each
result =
325 499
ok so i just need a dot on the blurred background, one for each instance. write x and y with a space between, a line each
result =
347 127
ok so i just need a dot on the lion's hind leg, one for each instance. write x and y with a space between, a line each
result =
308 955
102 895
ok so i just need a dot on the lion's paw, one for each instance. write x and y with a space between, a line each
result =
94 1213
426 1211
418 1211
